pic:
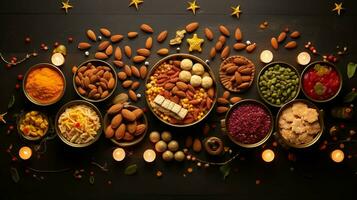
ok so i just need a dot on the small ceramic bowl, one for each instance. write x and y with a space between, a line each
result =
225 123
107 120
28 137
96 63
37 66
74 103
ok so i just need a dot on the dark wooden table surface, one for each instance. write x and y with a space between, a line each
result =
312 176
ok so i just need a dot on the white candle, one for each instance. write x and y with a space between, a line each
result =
149 155
118 154
303 58
25 153
57 59
268 155
266 56
337 155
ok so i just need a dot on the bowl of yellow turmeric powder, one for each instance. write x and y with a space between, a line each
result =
44 84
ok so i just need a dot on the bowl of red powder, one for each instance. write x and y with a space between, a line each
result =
249 123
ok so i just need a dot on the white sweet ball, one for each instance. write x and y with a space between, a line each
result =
160 146
185 76
206 74
196 80
179 156
166 136
167 156
207 82
198 69
186 64
154 136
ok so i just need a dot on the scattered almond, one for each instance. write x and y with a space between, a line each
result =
222 39
135 85
109 50
163 51
143 71
146 28
91 35
118 63
222 100
127 51
212 53
238 34
135 71
127 70
251 48
122 76
239 46
114 109
100 55
226 94
291 45
127 83
162 36
148 43
191 27
295 34
281 36
143 52
84 45
221 109
225 52
132 95
105 32
138 59
128 115
116 38
208 33
197 145
224 30
118 54
132 34
274 43
218 46
234 100
103 45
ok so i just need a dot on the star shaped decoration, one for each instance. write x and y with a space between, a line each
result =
2 118
195 43
135 3
66 6
338 8
193 6
236 11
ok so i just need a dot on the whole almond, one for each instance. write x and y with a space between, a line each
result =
121 98
291 45
222 101
143 71
135 85
128 115
234 100
222 39
127 83
239 46
146 28
128 137
218 46
163 51
111 83
100 55
148 43
91 35
295 34
138 113
197 145
109 132
188 141
138 59
208 33
118 54
224 30
281 36
191 27
122 76
225 52
131 128
238 34
274 43
221 109
109 50
127 51
135 71
212 53
116 38
226 94
114 109
127 70
251 48
132 95
105 32
103 45
84 45
116 121
132 34
143 52
120 132
162 36
140 129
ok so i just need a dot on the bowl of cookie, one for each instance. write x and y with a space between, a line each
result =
299 124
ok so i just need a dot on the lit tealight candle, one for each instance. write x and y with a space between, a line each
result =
268 155
118 154
266 56
57 59
149 155
25 153
303 58
337 155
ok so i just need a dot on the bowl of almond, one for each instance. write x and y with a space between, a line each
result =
125 124
181 90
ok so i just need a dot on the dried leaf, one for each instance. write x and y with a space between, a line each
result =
350 97
91 180
225 170
14 174
11 102
351 69
131 170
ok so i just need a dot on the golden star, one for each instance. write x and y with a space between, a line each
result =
338 8
135 3
195 43
193 6
2 118
66 6
236 11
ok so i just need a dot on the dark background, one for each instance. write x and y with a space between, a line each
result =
312 176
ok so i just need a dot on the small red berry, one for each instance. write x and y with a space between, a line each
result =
17 86
27 39
11 127
43 45
20 77
14 158
8 65
56 44
70 39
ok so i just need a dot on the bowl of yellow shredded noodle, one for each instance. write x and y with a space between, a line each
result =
79 123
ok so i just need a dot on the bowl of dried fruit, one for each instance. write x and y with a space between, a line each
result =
125 124
248 123
181 90
321 81
33 125
95 80
299 124
278 83
236 73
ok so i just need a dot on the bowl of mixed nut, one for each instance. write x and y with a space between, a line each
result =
95 80
33 125
181 90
